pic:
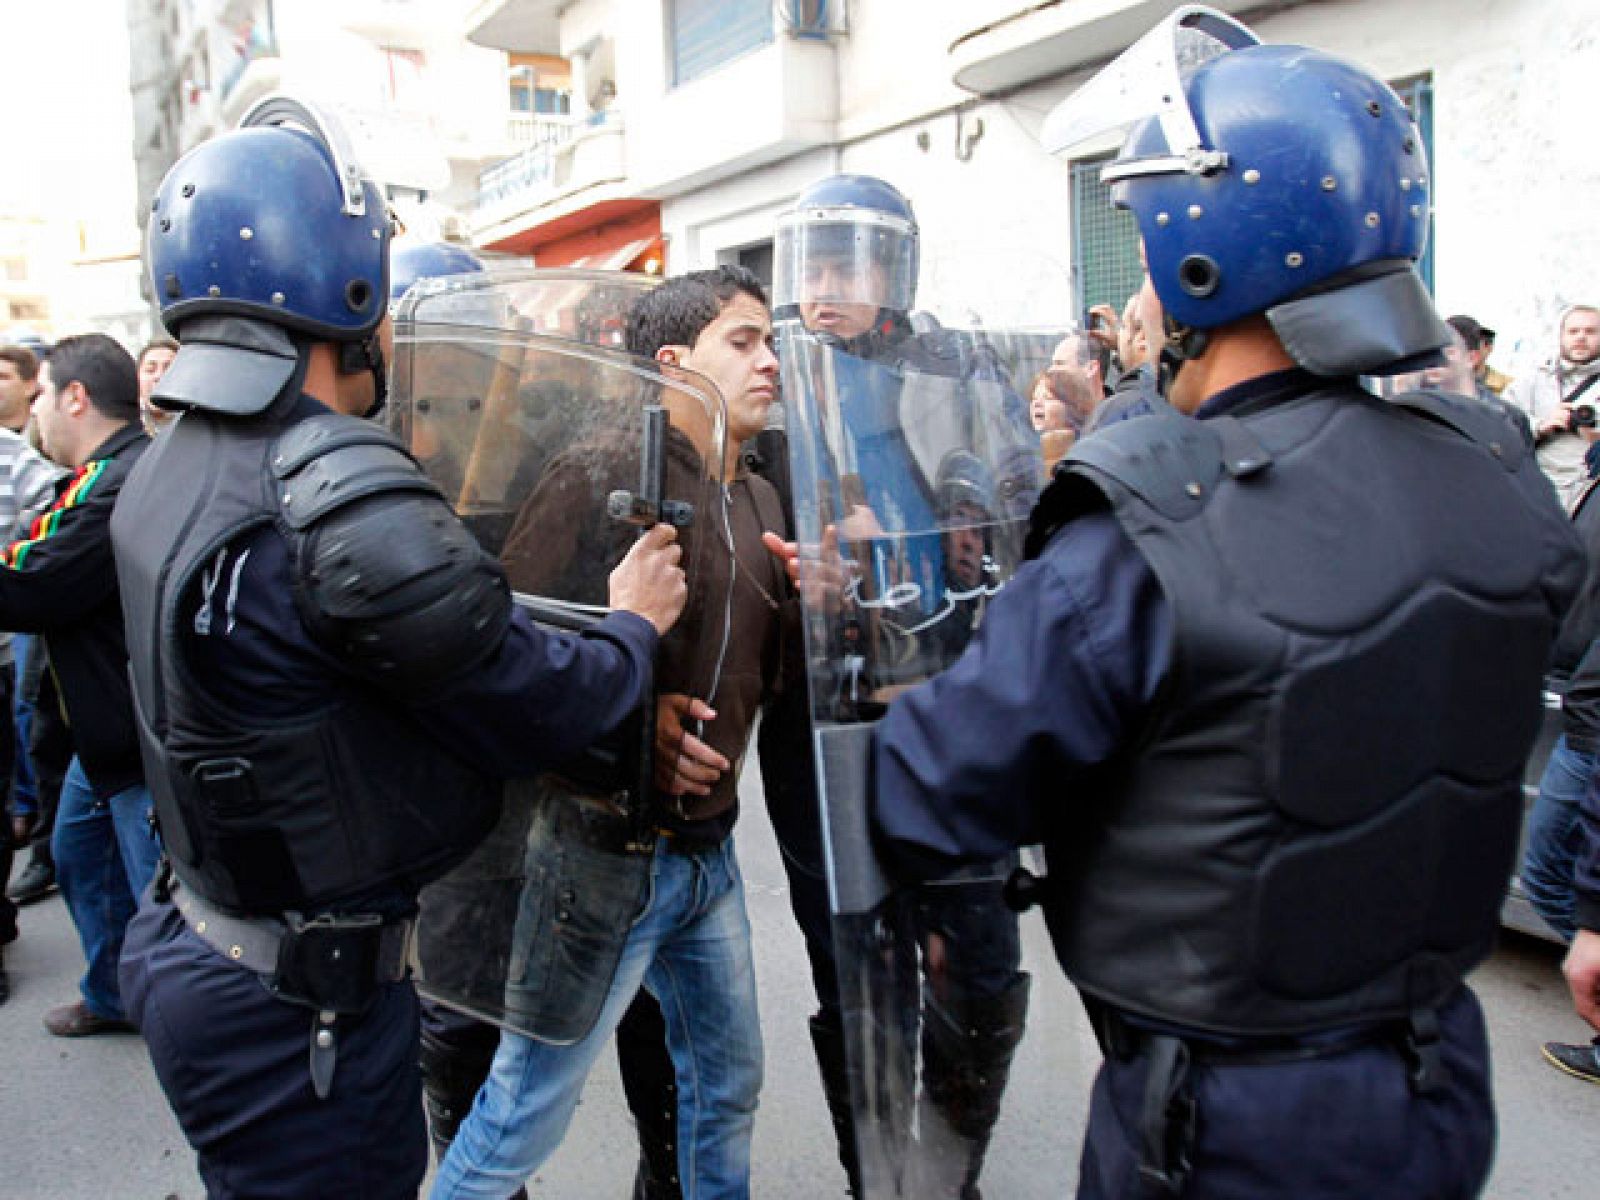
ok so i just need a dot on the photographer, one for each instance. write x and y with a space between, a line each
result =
1560 398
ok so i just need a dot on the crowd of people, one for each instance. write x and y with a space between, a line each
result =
1184 605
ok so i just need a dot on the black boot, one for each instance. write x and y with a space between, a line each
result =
456 1054
651 1084
827 1040
967 1045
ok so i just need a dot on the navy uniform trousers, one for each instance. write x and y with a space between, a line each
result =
1345 1127
233 1061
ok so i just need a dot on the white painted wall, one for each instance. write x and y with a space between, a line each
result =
1516 88
1517 174
770 103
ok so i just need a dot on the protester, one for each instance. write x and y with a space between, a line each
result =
60 581
689 945
153 362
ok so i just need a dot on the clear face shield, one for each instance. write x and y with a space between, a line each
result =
839 267
1147 82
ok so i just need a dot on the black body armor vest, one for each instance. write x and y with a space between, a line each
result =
1319 824
261 816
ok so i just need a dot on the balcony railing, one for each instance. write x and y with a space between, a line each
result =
534 129
533 167
538 167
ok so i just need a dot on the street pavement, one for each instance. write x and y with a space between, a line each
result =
85 1120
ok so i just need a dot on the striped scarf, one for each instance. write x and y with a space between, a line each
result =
46 524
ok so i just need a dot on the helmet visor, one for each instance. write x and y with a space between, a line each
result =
1147 81
844 256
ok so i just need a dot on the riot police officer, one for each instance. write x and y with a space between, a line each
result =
847 258
328 674
1294 637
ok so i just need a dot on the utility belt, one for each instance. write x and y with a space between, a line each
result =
1169 1112
333 964
602 826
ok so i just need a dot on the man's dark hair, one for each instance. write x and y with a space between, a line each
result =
105 369
156 343
23 359
1097 352
1472 334
677 311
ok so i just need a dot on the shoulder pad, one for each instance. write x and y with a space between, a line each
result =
390 581
326 462
1495 430
1169 461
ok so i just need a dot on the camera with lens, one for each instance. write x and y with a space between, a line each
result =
1583 417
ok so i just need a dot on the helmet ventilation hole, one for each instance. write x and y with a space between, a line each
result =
1199 275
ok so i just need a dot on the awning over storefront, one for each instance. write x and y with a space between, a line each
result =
636 255
612 235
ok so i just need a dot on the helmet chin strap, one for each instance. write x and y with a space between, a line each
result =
1179 344
367 355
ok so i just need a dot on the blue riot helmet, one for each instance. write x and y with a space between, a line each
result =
272 227
411 260
845 254
1277 180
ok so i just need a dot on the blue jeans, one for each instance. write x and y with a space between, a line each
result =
106 854
691 947
1552 845
24 787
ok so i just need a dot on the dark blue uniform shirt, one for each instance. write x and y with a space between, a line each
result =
532 703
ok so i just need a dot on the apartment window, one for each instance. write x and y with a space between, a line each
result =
1105 241
532 93
704 34
28 310
14 268
757 260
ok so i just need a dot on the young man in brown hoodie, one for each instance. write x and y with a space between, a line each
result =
689 945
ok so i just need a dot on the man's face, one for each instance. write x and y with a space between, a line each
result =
1068 359
841 297
52 420
1066 352
1580 336
152 366
16 394
735 353
963 546
1149 331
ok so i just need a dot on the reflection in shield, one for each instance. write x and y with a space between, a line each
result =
914 473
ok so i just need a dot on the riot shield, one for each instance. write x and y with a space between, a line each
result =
589 307
914 472
555 453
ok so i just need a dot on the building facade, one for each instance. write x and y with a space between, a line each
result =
700 120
